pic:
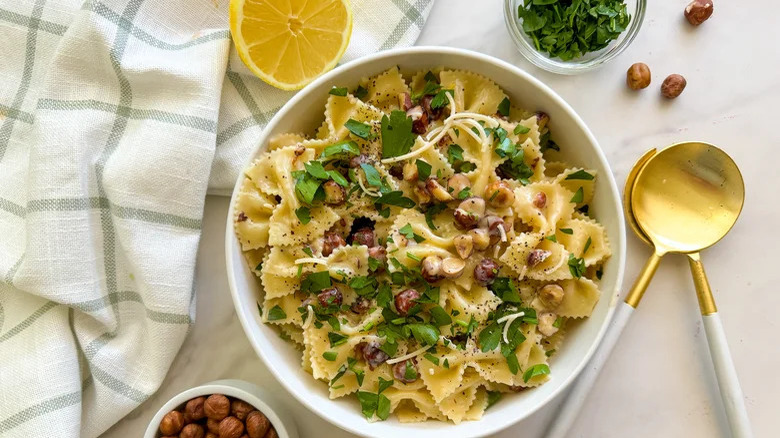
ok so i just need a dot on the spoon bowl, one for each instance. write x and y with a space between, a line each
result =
687 197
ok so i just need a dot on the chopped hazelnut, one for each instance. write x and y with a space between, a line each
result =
464 245
551 295
546 324
540 200
437 191
469 212
422 194
486 271
452 267
542 119
480 237
457 183
537 256
499 194
334 193
410 171
431 268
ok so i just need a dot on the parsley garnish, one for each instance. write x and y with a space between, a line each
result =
316 281
552 238
465 193
430 77
431 212
433 359
330 356
360 92
503 107
568 30
454 153
378 403
360 129
423 170
409 233
395 198
372 175
578 197
566 230
425 334
440 317
493 398
303 214
413 257
504 288
576 266
338 91
440 100
536 370
580 174
336 339
276 313
397 136
410 373
514 167
587 246
347 147
521 129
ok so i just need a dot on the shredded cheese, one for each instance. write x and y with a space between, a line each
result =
503 232
371 193
509 319
408 356
309 317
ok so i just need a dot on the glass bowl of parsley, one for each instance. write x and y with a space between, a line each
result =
573 36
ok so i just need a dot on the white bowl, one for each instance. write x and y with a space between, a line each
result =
304 112
248 392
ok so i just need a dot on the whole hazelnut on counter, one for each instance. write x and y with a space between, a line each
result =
698 11
192 430
193 410
172 423
240 409
638 76
673 86
231 427
217 407
257 424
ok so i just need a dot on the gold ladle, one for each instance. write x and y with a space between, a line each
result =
683 200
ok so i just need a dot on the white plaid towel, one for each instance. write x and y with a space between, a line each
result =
116 117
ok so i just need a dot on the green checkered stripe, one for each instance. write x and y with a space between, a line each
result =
14 115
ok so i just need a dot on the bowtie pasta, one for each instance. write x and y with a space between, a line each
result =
419 249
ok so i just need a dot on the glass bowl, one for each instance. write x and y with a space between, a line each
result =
587 62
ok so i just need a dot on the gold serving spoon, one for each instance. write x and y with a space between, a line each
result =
683 200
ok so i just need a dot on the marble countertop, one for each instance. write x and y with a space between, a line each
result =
659 380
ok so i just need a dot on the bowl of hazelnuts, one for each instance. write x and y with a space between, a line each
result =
222 409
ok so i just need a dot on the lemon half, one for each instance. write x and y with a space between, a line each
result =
288 43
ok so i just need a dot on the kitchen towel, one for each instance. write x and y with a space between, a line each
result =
116 119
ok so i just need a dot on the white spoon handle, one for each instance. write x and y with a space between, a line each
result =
730 391
570 408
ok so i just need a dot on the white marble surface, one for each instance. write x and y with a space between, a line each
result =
659 381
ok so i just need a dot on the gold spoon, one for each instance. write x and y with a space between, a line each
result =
665 189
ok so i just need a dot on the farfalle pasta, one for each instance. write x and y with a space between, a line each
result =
418 248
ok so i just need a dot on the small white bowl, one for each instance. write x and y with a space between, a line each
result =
304 113
277 413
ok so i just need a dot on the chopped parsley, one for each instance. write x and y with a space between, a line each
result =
336 339
536 370
439 316
395 198
503 106
303 214
360 129
578 197
372 175
440 100
360 92
433 359
423 170
342 148
465 193
330 356
338 91
397 136
587 246
566 230
379 404
552 238
521 129
493 398
316 281
580 174
425 334
409 233
431 212
276 313
576 266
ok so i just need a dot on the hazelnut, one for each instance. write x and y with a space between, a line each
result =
480 237
329 297
410 172
540 200
404 101
193 410
217 407
212 426
257 424
673 86
698 11
396 170
499 194
231 427
469 212
431 268
364 236
192 430
423 195
551 295
334 193
464 245
370 351
638 76
240 409
537 256
360 305
404 301
437 191
330 241
496 228
211 435
271 433
542 119
546 321
399 371
172 423
378 253
452 267
457 183
486 271
356 161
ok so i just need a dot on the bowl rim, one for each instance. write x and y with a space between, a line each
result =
558 66
240 389
619 252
